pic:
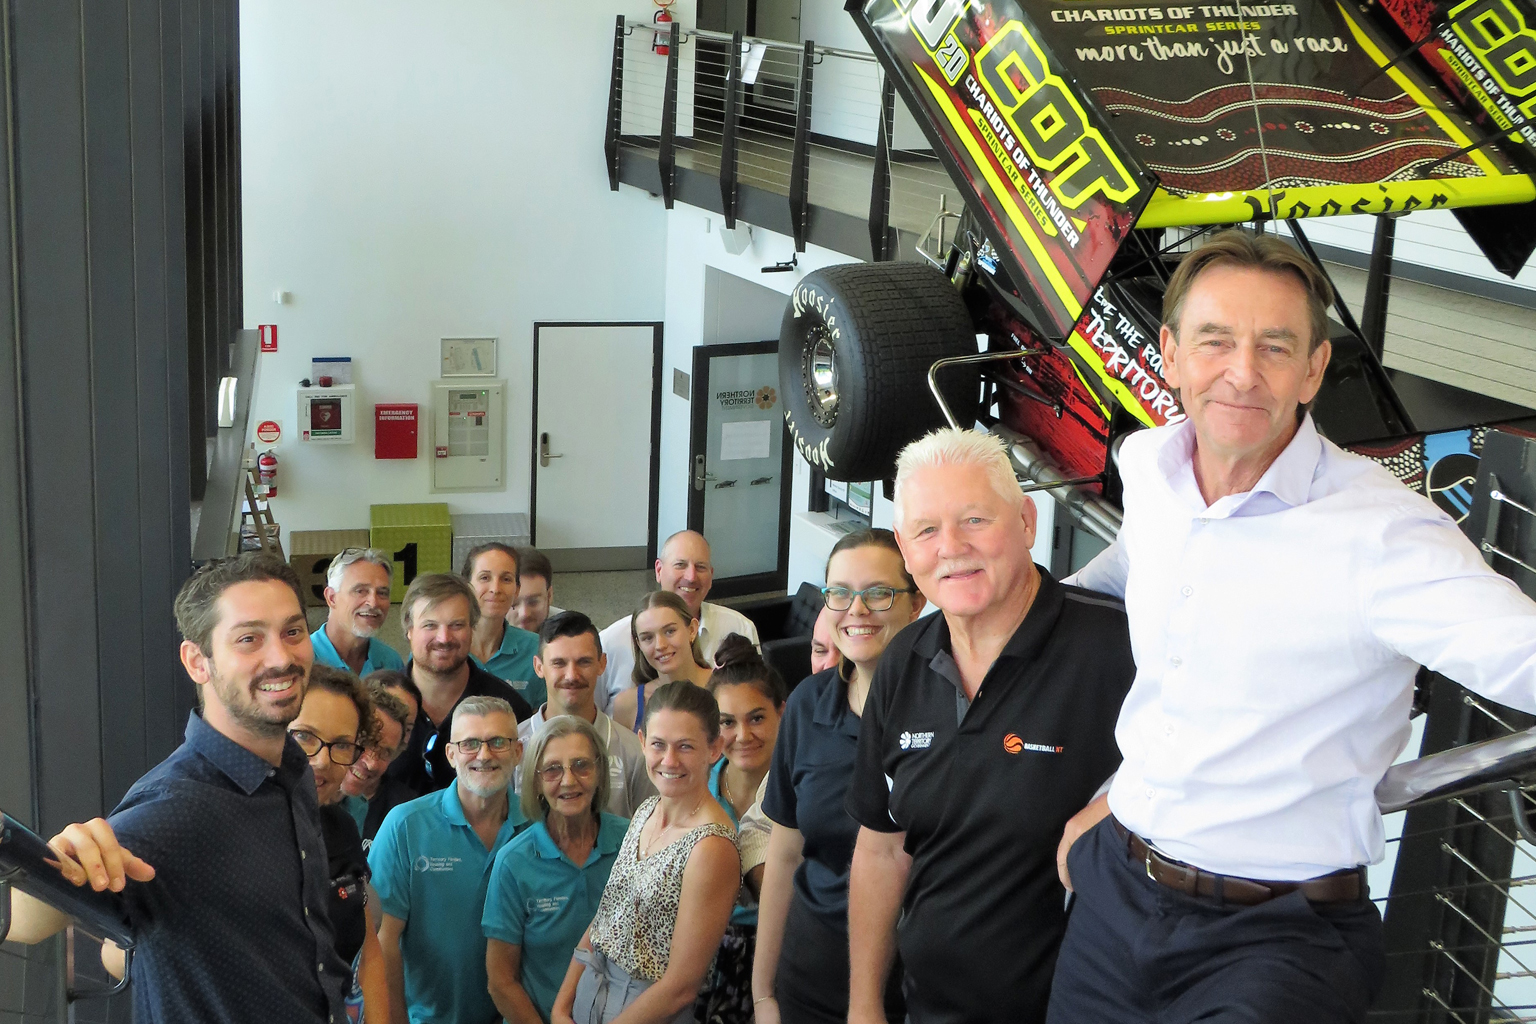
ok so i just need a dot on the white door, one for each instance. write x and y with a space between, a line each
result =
779 20
594 390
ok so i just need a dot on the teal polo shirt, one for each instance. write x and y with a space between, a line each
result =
540 900
513 662
380 654
357 807
742 914
431 871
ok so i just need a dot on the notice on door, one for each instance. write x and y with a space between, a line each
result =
749 439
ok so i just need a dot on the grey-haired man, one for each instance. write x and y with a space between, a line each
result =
357 592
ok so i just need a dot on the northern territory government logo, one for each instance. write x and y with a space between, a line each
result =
916 740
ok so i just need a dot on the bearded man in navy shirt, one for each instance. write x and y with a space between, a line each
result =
218 852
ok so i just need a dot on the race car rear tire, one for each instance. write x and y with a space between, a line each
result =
854 351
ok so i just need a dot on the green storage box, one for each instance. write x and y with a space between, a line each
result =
419 538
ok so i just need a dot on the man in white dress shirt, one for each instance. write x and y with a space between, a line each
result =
684 568
1282 594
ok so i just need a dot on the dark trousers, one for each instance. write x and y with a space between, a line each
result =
812 980
1136 951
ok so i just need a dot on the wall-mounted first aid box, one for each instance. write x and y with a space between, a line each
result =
328 415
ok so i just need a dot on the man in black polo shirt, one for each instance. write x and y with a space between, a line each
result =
228 868
439 614
986 729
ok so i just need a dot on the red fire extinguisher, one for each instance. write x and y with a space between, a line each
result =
266 472
661 42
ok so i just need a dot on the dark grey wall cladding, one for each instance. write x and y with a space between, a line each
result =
120 291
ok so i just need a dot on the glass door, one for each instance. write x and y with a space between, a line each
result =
739 453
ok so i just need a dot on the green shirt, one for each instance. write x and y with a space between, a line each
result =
358 808
745 913
513 662
431 870
380 654
541 901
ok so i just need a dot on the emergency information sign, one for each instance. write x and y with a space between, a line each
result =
394 430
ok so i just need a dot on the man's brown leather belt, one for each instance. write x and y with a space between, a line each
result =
1339 887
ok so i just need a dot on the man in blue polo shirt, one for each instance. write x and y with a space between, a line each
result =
431 864
357 592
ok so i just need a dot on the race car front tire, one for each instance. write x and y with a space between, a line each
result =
855 347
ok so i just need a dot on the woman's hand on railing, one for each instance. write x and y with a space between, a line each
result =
88 852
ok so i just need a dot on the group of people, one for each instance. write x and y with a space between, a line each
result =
1143 793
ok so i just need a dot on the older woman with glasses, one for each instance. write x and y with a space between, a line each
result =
546 883
335 724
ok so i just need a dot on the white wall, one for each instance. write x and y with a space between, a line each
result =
1429 238
413 171
694 246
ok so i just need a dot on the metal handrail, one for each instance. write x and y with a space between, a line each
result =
218 528
778 44
1503 763
26 862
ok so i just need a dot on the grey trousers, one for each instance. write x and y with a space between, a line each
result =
605 989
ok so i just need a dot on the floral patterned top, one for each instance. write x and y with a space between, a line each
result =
634 921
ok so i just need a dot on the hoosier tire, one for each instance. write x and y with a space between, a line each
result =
854 351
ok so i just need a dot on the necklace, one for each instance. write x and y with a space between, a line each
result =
725 789
645 851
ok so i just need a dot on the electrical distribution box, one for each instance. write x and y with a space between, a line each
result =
469 431
327 415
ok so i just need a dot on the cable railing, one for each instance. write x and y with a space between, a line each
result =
815 126
1461 933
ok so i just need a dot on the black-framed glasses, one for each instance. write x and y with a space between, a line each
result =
472 745
344 752
876 599
581 767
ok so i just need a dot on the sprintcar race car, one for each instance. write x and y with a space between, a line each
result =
1090 140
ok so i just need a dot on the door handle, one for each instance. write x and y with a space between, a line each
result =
544 453
698 472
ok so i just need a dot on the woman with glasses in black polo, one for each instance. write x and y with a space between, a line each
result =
800 973
335 724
